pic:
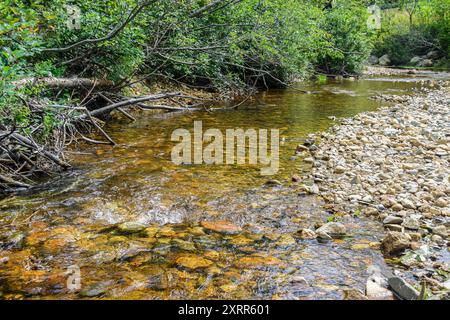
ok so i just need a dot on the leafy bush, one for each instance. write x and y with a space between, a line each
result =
430 30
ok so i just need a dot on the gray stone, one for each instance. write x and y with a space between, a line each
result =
333 229
384 60
415 60
393 220
402 289
411 223
440 231
432 55
425 63
373 60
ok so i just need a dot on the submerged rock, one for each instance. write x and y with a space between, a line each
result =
255 262
130 227
333 229
223 227
393 220
193 262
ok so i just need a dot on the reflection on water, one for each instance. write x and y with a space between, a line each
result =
68 222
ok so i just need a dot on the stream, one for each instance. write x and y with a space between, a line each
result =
69 223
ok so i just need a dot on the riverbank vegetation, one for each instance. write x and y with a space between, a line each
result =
414 33
62 59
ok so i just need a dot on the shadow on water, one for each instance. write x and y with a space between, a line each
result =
68 222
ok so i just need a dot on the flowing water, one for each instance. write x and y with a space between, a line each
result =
68 225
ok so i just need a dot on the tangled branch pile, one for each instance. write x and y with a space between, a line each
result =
57 82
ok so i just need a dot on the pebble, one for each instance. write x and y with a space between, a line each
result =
394 159
393 220
333 229
403 289
130 227
395 243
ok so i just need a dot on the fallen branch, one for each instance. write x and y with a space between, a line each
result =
13 182
47 154
129 102
70 83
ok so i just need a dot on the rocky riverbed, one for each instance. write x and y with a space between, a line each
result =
393 165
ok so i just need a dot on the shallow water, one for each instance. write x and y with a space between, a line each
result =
70 222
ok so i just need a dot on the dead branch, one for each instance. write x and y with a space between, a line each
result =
69 83
129 102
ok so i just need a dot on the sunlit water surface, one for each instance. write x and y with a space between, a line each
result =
66 223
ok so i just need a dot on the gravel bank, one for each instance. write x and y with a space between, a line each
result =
393 165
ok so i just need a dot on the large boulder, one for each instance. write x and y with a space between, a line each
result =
432 55
384 60
373 60
395 243
415 60
425 63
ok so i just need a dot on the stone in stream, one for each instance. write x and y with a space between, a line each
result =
402 289
441 203
306 234
192 262
130 227
397 207
411 223
256 262
94 290
301 148
393 220
223 227
394 227
395 243
273 182
333 229
440 231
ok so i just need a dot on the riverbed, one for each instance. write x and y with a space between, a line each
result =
70 222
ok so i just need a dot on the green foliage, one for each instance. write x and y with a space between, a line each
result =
349 38
248 43
407 33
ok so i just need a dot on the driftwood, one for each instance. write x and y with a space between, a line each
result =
129 102
69 83
33 145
